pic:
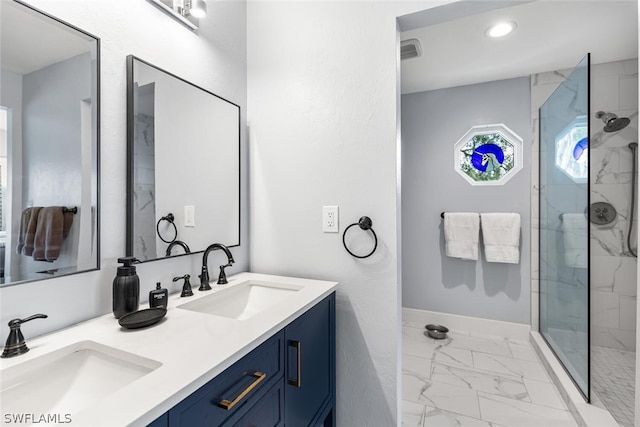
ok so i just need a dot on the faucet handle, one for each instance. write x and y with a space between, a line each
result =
222 277
186 288
15 344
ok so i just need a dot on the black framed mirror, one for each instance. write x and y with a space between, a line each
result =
183 172
49 146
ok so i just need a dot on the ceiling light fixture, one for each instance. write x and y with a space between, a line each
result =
198 8
186 11
501 29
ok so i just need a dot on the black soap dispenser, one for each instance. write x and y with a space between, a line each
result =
158 297
126 288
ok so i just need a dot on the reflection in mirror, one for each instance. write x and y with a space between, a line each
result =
49 112
184 165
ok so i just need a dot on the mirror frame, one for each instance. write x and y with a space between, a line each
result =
130 245
97 147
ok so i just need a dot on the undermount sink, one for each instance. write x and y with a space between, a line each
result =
70 379
243 300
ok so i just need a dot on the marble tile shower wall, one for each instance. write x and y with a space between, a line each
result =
614 88
144 189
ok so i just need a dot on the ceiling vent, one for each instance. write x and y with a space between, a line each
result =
410 49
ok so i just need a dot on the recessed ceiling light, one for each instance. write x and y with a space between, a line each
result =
501 29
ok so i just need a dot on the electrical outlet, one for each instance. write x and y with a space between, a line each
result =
330 219
189 216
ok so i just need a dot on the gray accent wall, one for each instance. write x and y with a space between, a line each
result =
432 122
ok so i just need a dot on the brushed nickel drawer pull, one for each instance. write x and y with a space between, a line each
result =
226 404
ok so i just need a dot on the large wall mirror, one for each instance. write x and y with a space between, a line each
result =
184 165
49 136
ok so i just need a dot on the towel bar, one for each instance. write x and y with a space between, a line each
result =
73 210
442 214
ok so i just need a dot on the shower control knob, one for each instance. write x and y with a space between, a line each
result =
602 213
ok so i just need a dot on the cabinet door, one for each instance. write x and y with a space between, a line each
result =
310 364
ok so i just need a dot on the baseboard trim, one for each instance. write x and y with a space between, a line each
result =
472 325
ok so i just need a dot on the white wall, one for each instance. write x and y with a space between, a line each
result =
432 122
323 131
213 58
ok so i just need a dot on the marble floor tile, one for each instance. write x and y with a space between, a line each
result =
440 395
471 381
416 334
501 385
435 417
612 382
412 414
510 366
543 393
419 349
453 357
511 412
483 345
522 350
417 366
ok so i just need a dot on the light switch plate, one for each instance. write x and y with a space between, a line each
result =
189 216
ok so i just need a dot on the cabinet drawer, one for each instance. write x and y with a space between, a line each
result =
268 412
235 390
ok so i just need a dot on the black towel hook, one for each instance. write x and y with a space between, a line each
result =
365 224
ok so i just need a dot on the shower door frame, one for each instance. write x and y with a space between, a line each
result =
587 395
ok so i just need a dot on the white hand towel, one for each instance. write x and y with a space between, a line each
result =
501 236
461 231
575 238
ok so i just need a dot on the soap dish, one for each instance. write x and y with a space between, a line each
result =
437 332
142 318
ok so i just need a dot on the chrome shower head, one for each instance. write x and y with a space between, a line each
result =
612 122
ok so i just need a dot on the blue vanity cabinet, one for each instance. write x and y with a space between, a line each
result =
287 381
162 421
310 367
224 399
268 411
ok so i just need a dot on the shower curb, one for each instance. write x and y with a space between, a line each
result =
584 414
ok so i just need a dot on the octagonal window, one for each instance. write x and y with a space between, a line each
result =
488 155
572 150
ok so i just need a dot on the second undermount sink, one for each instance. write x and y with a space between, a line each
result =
243 300
70 379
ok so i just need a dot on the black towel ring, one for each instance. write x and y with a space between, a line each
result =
364 223
170 219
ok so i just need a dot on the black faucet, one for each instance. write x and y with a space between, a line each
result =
222 278
15 341
177 243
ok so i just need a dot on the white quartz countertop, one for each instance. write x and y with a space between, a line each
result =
191 347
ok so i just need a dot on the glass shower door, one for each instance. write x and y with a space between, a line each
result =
564 224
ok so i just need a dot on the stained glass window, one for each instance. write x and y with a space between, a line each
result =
572 145
488 155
